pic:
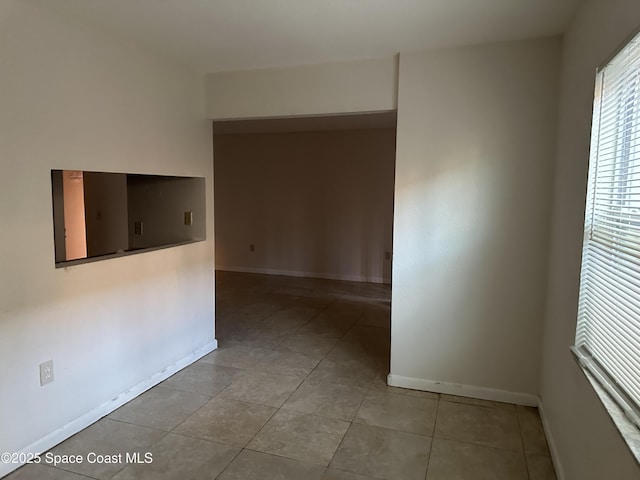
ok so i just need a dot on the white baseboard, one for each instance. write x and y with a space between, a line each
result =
471 391
82 422
296 273
553 449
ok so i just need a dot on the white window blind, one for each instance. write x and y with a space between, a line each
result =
608 329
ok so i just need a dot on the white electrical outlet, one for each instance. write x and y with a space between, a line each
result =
46 372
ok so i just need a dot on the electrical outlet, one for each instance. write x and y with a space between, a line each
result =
188 218
387 255
252 248
46 372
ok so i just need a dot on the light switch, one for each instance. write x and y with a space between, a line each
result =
188 218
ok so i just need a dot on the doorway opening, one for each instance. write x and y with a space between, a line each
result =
303 235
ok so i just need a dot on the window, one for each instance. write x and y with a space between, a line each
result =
99 215
608 328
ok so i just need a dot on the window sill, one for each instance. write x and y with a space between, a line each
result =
627 429
124 253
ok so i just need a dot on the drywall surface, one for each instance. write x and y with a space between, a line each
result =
587 443
60 234
314 204
344 87
475 146
160 204
73 99
75 227
105 206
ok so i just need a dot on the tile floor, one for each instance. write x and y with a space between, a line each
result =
296 391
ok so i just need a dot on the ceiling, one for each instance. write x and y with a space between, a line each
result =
226 35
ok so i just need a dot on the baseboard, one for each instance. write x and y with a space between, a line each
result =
471 391
82 422
296 273
553 449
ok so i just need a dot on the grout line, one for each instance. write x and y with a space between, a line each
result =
278 455
228 464
476 444
127 423
433 435
82 475
190 415
262 427
334 299
197 393
346 432
524 451
407 432
277 409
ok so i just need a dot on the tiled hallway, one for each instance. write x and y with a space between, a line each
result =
297 391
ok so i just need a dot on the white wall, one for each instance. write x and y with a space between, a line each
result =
587 443
73 99
475 133
475 147
60 234
476 136
361 86
105 207
74 230
316 204
160 203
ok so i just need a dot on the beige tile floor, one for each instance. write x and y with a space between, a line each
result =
297 391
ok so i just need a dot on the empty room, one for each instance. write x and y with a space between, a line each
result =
328 240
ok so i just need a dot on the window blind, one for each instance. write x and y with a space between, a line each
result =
608 328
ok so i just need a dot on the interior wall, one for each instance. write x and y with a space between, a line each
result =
57 194
316 204
475 148
105 206
587 443
75 227
73 99
341 87
160 203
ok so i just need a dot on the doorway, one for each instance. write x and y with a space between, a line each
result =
309 199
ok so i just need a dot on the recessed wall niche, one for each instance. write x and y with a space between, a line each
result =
99 215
